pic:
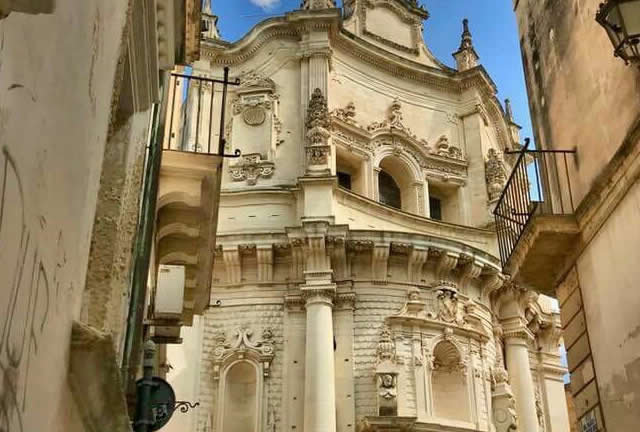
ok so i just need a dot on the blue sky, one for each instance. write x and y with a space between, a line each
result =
492 22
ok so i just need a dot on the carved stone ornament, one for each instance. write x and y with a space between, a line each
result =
386 346
254 116
445 149
394 120
317 111
242 345
449 307
387 394
317 4
318 155
387 386
251 167
496 174
253 80
244 102
539 410
346 114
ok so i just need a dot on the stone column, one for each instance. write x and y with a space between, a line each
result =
319 390
376 183
518 365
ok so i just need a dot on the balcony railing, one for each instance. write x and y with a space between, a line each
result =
196 111
539 184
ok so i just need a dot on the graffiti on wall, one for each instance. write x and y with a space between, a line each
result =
31 284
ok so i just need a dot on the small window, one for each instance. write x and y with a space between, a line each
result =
390 193
344 180
435 208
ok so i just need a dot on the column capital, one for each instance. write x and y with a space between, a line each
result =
319 295
520 335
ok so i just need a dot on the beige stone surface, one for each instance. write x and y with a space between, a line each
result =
608 271
583 97
356 315
56 84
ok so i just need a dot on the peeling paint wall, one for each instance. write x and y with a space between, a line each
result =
56 84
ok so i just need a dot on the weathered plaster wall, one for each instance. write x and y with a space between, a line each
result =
107 288
574 80
56 84
608 274
583 98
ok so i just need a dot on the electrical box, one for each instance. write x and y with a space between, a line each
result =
169 299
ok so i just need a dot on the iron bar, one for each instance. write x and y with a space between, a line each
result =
173 104
221 140
197 144
184 406
198 107
211 116
566 169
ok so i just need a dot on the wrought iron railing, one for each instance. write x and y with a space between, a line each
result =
539 184
196 110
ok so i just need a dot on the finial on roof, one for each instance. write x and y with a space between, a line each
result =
466 56
508 109
467 40
318 4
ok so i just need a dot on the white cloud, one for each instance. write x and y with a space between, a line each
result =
265 4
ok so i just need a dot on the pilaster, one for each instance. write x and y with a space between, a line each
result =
232 262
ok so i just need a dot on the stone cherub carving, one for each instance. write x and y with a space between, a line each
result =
387 384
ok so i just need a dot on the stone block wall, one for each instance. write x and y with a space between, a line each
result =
370 312
229 319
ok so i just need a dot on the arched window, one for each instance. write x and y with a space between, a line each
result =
390 193
449 383
240 397
399 185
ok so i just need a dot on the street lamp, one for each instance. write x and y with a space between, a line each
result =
621 20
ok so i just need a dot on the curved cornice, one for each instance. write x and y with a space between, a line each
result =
294 24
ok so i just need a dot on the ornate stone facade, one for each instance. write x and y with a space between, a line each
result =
387 311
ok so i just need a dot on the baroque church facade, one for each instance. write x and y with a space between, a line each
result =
357 285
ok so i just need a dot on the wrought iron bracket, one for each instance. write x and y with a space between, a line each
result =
184 406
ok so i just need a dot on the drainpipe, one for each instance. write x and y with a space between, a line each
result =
142 247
